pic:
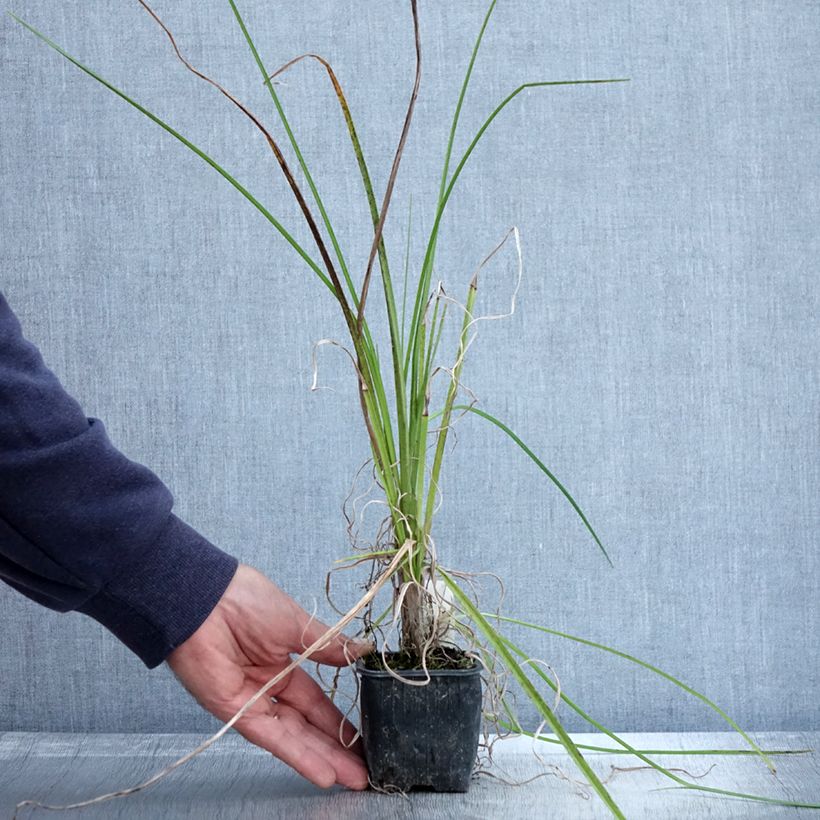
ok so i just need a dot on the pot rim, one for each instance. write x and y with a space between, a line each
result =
362 670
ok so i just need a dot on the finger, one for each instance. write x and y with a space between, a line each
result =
278 735
340 651
304 694
351 771
286 734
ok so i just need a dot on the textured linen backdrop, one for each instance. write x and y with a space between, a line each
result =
662 359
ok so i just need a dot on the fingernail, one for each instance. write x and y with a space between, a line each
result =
359 643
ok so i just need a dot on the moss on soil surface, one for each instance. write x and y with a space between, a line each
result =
438 658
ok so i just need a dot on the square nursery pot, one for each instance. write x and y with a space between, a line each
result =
420 737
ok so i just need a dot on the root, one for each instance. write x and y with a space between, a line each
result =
614 771
314 363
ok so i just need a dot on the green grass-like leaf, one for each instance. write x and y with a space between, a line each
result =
188 144
509 661
516 728
642 756
541 466
632 659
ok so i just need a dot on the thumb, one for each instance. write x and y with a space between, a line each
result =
340 651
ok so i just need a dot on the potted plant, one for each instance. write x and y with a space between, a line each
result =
421 697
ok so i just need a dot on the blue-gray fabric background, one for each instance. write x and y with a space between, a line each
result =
663 358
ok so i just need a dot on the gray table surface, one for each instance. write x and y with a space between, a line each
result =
236 780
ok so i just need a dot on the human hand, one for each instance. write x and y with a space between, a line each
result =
245 641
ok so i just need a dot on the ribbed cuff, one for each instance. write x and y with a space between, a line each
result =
156 602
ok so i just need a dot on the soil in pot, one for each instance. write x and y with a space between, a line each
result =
420 737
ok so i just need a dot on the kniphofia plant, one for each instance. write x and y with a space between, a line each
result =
402 428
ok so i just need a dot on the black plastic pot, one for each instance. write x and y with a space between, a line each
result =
421 737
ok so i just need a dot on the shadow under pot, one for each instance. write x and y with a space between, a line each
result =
420 737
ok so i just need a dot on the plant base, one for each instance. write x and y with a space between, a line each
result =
420 737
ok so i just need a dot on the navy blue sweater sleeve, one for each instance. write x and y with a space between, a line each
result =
83 528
